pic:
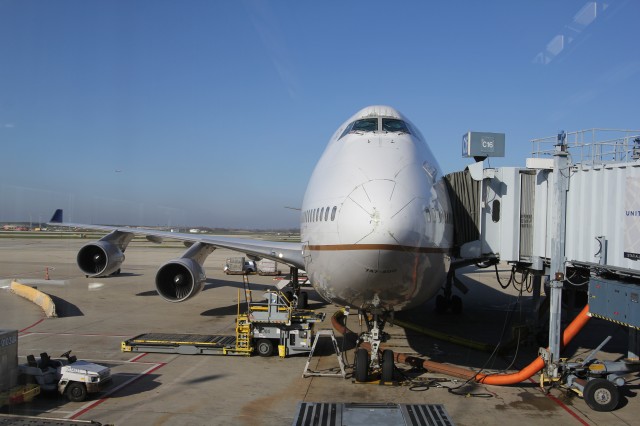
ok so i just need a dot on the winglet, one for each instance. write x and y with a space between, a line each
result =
57 217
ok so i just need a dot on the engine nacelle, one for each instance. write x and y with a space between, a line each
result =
99 259
180 279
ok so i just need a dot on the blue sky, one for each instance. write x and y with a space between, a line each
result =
214 113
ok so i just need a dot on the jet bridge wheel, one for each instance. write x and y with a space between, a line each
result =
362 365
601 395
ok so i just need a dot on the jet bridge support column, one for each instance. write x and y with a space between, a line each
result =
557 271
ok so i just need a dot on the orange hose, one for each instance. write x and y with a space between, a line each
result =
464 373
537 364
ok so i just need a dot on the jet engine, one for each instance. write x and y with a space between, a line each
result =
100 258
180 279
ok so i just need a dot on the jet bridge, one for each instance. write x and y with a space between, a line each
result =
515 213
571 215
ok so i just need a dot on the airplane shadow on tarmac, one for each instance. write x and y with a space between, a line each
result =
148 293
485 319
221 311
145 383
205 379
128 274
490 317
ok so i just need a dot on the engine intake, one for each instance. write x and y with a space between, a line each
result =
180 279
99 259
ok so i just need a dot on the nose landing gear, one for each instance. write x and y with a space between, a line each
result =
378 363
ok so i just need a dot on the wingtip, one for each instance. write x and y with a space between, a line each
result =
57 216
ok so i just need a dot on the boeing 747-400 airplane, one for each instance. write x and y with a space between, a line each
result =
375 226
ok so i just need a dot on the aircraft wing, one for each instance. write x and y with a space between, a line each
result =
284 252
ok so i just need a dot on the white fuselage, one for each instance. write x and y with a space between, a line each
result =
376 223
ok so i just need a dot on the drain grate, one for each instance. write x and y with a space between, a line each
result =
353 414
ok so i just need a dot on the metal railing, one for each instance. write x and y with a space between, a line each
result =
593 146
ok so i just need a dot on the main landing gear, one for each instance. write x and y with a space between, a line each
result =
448 301
297 297
380 363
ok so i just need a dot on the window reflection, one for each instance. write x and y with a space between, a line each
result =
394 125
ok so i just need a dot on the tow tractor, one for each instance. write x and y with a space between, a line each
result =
70 377
265 324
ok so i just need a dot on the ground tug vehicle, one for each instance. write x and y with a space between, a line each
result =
68 376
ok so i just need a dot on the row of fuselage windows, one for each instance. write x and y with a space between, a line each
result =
321 214
324 214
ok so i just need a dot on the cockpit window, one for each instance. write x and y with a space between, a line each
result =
394 125
364 125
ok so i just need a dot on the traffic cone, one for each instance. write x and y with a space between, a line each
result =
46 273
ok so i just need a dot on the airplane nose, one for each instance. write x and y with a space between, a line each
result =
381 212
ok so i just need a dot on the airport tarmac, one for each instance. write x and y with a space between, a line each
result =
96 314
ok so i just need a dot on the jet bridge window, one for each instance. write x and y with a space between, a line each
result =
363 126
394 125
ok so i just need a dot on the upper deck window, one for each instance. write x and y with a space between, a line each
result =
394 125
363 126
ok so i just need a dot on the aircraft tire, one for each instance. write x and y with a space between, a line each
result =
289 296
387 366
441 304
456 305
362 365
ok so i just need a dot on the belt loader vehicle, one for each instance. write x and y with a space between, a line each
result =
265 326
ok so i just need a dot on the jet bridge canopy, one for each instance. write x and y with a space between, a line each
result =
464 195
